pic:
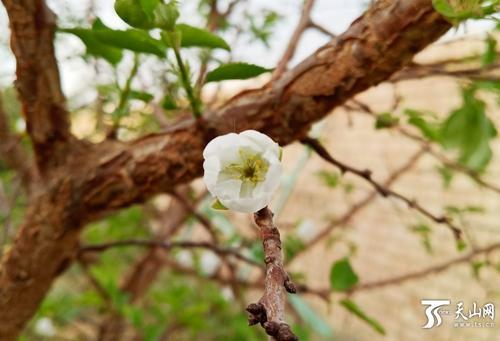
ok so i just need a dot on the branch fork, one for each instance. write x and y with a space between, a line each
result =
269 311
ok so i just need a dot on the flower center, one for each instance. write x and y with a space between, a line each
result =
251 167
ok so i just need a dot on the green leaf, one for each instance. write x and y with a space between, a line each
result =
168 102
465 9
424 231
314 320
94 46
133 13
329 178
148 6
342 276
235 71
430 130
133 39
446 175
197 37
476 267
490 54
217 205
386 120
141 95
469 130
461 245
356 310
292 246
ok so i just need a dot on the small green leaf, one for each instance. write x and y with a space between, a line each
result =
133 13
292 246
281 154
476 267
235 71
329 178
197 37
446 175
217 205
141 95
430 130
94 46
342 276
490 54
356 310
168 102
424 231
386 120
461 245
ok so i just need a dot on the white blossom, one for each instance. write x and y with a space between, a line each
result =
45 327
242 170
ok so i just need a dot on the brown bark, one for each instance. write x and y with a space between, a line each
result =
12 153
32 26
115 175
270 310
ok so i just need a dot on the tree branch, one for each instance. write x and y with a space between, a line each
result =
167 246
358 206
12 153
270 310
304 23
422 273
32 26
380 188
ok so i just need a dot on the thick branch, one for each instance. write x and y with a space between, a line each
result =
32 26
270 310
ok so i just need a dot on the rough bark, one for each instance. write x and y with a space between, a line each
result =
112 175
270 310
32 26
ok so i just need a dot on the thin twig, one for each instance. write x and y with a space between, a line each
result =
269 311
365 109
357 207
422 273
383 190
304 23
167 246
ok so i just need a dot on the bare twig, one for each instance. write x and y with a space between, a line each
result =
422 273
321 29
270 310
304 23
167 245
383 190
357 207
